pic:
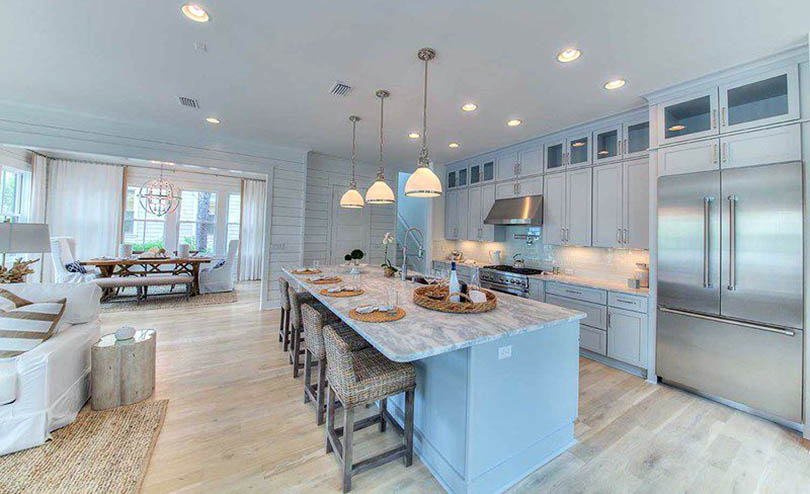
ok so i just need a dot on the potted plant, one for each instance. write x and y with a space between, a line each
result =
389 269
356 255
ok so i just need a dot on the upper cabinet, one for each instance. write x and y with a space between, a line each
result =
555 155
689 117
482 172
607 144
751 101
768 98
451 179
570 151
579 150
506 166
516 164
636 133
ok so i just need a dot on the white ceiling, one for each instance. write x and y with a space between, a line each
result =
269 65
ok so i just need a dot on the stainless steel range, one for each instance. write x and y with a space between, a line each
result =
507 279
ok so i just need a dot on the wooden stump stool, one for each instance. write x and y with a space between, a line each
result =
123 371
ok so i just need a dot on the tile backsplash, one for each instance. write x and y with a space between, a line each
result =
607 264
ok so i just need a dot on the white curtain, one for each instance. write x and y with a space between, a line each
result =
39 181
251 234
84 202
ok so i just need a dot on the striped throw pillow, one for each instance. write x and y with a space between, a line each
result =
25 324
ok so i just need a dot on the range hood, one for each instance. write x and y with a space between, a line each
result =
527 210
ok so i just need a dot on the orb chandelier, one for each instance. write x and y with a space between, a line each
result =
380 192
351 198
158 196
423 182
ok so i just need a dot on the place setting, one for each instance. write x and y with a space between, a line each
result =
390 311
343 291
314 269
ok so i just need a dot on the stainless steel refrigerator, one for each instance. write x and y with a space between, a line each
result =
730 291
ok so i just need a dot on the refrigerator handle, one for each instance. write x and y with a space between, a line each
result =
760 327
732 242
707 201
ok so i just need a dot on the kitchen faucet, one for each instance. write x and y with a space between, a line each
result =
405 250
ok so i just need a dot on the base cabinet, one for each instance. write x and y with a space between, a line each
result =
593 339
627 336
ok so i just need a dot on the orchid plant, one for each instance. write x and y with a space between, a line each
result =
388 239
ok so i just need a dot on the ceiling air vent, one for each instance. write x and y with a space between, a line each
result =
189 102
340 89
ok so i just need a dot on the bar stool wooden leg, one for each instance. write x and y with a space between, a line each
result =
281 327
296 356
409 427
287 331
330 419
307 375
346 460
383 406
321 392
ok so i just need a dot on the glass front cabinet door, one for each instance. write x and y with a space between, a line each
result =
636 138
461 179
607 144
488 171
764 99
451 180
579 151
555 155
475 174
689 117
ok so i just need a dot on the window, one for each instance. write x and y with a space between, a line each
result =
13 183
142 229
197 225
234 214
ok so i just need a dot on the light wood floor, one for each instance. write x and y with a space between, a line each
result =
237 423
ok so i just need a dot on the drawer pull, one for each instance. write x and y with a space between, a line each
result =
625 301
574 292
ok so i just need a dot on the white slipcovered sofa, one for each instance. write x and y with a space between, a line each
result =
44 388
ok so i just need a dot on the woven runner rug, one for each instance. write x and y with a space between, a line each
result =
101 452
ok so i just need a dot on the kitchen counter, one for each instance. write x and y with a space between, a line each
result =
584 281
496 393
424 333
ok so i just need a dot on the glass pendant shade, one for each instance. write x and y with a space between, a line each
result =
380 193
423 183
351 199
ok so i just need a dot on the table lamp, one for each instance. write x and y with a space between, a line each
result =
24 238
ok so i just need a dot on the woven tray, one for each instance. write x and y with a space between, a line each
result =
377 316
342 294
437 297
307 271
328 281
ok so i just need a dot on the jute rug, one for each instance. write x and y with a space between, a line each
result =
168 302
101 452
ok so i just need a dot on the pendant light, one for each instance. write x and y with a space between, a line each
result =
380 192
423 182
352 198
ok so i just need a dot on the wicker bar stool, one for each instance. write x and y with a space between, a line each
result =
297 300
360 377
314 322
284 323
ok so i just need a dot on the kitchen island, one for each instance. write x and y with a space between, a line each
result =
496 393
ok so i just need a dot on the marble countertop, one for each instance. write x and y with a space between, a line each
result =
584 281
423 333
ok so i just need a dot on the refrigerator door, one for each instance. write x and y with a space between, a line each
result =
689 242
754 367
761 231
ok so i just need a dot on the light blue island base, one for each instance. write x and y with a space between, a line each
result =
483 423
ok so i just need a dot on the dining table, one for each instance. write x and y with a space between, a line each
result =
147 266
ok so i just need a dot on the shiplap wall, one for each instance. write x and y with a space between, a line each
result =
322 173
287 222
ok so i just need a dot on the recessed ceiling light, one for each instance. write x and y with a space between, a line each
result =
469 107
514 123
414 135
195 12
453 145
615 84
212 120
568 55
677 127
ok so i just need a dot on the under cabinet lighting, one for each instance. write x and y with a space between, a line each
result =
577 144
677 127
195 12
603 152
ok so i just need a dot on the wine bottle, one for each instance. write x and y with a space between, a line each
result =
454 287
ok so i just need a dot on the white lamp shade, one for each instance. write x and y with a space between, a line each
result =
351 199
423 183
380 193
24 238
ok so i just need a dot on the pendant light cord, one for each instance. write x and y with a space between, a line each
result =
381 170
354 134
424 160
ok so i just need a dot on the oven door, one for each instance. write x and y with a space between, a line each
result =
502 287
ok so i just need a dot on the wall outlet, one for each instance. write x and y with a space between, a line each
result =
504 352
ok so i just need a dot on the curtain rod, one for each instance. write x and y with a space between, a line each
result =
235 176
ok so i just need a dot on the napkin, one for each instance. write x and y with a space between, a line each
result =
342 289
368 309
478 297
